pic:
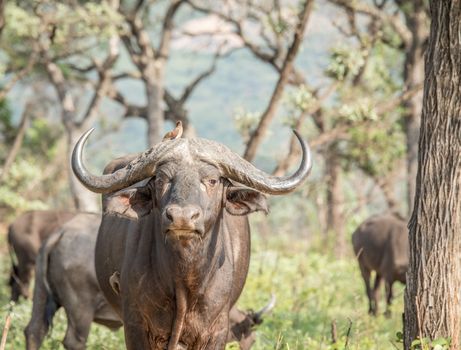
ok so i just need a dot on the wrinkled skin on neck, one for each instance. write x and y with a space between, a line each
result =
181 245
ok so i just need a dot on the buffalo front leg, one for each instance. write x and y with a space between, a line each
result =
78 327
375 293
366 279
137 336
43 310
389 297
217 339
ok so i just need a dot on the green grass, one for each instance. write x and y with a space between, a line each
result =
313 290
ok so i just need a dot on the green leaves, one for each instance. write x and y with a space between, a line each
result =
21 24
359 110
375 150
62 29
426 343
246 122
344 61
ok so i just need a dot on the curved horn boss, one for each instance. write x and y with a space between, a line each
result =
230 164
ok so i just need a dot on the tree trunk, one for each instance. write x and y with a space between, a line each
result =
433 293
387 184
155 113
413 76
335 227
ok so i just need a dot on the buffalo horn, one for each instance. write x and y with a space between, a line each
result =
230 164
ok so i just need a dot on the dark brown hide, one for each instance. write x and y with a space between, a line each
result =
381 244
180 239
66 277
25 236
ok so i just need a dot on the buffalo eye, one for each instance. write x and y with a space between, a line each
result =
161 185
209 184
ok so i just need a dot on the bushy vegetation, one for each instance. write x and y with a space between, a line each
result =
314 290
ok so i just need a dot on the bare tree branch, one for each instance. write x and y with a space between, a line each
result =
17 141
103 85
189 88
19 75
256 50
257 136
126 75
130 109
142 41
393 20
167 28
388 106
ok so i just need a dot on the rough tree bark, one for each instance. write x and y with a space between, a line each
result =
413 75
433 293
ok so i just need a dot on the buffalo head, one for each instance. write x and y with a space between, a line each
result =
187 182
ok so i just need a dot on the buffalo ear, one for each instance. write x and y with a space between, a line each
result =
132 203
243 201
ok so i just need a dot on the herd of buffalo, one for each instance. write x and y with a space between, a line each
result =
168 257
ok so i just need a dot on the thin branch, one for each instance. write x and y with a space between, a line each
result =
146 51
134 12
257 136
254 49
189 88
80 51
397 101
393 20
293 153
19 75
82 70
126 75
348 334
17 141
6 328
167 28
130 110
134 52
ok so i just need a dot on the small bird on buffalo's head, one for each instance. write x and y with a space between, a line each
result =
176 133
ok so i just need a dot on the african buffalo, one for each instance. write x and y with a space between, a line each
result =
179 239
66 277
381 244
25 236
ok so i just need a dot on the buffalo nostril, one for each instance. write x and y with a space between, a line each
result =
195 215
182 215
169 214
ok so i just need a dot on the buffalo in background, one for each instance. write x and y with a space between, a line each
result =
381 244
25 236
